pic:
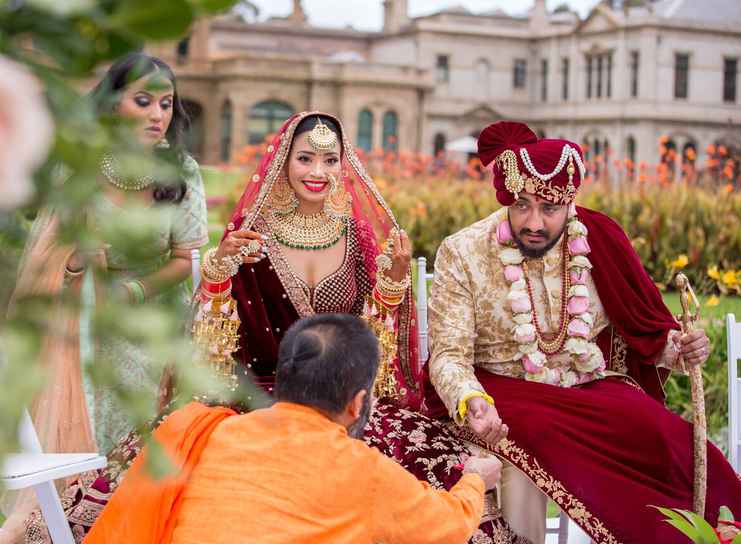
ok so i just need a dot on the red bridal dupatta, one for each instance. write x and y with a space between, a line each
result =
270 299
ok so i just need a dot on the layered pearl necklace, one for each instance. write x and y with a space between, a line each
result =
586 361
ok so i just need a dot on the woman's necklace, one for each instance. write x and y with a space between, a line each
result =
309 232
109 167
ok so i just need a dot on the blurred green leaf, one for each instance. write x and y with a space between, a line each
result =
63 7
212 6
153 20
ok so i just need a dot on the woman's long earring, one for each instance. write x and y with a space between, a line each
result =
283 199
337 203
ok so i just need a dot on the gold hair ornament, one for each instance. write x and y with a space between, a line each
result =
322 138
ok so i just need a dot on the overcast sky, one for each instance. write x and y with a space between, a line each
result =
368 14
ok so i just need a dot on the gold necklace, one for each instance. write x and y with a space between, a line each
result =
310 232
109 168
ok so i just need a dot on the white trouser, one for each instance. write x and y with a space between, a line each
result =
523 504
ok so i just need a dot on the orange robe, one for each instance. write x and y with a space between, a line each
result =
288 474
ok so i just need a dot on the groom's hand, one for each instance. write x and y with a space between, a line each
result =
694 346
484 421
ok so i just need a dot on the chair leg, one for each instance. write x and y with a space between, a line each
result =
51 508
574 533
563 528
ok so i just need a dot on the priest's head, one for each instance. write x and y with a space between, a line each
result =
536 178
329 362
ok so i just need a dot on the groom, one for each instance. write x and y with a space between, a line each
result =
549 340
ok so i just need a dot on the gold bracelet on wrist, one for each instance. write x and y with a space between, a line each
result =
213 272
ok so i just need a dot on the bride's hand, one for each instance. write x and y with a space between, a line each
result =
400 257
234 241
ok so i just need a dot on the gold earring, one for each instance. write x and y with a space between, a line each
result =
283 199
337 203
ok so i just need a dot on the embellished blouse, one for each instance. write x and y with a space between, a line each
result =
271 297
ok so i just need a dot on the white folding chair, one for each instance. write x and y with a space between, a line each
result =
38 470
195 268
733 332
422 278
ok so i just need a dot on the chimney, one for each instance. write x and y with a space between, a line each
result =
298 16
395 15
538 17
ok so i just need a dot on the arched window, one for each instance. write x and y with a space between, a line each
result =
390 131
439 143
482 76
226 131
193 137
182 49
365 130
266 118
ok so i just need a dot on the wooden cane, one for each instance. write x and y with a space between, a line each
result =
687 298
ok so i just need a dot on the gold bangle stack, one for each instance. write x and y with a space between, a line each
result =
391 292
214 272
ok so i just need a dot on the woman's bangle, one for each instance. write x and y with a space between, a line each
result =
137 293
73 273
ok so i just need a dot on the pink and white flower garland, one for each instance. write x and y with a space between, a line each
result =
586 362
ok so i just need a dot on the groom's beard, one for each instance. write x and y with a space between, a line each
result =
357 429
535 253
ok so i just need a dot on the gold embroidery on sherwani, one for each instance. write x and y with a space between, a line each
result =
469 324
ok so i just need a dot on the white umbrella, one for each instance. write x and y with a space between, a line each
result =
467 144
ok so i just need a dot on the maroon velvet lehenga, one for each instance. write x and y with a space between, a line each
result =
270 297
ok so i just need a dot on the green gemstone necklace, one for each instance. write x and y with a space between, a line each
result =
309 232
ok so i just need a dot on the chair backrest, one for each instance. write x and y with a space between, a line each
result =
422 278
733 332
195 267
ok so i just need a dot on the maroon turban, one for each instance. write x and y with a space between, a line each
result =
552 169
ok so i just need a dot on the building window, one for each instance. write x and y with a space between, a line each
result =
681 74
443 68
482 76
266 118
181 51
520 72
365 130
590 62
608 91
634 66
544 80
730 69
599 76
439 143
565 78
193 136
390 131
630 150
226 131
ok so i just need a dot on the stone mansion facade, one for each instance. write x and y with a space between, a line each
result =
630 73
